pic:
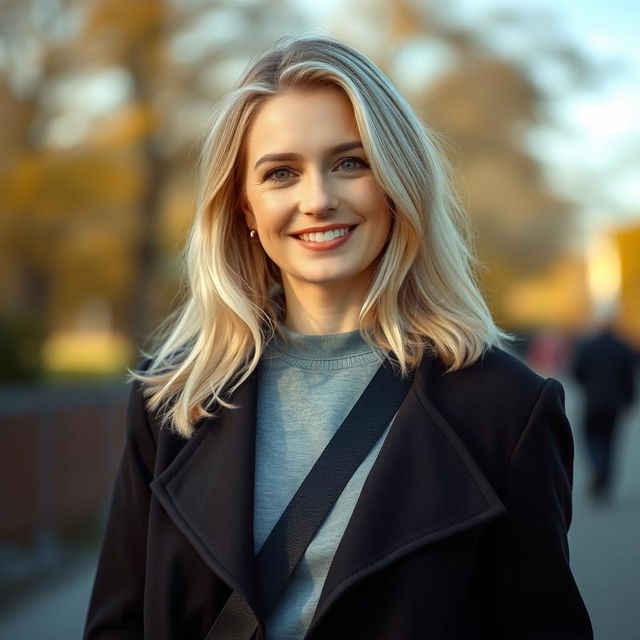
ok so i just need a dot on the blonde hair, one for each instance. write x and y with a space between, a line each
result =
423 295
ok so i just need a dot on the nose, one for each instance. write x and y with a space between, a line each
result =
317 197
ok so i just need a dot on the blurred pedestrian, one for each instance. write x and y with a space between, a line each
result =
604 365
330 442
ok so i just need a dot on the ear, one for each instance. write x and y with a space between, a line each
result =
249 218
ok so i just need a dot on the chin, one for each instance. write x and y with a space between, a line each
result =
329 278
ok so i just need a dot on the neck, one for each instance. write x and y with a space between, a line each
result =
314 309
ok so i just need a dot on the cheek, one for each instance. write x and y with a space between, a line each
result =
380 214
270 213
372 201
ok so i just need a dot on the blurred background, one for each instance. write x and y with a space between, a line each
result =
102 105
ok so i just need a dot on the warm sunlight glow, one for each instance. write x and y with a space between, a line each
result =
604 272
97 353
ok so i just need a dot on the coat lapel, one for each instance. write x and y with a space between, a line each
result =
208 492
423 487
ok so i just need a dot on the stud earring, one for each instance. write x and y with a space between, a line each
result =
252 233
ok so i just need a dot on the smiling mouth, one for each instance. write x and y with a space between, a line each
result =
325 236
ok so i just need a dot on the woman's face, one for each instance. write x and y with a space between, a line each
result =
310 193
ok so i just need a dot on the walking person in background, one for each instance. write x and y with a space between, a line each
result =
329 443
604 366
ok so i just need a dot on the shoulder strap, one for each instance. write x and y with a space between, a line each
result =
314 499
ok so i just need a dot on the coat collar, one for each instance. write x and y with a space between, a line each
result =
424 484
423 487
207 491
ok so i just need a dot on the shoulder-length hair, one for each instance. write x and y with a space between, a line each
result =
423 296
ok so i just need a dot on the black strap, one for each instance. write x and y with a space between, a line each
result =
314 499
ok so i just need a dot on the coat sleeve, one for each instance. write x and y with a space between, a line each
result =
115 609
529 590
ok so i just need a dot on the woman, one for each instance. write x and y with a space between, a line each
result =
326 241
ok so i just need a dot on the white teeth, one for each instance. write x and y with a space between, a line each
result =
320 236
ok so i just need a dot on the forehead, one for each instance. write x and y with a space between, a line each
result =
309 119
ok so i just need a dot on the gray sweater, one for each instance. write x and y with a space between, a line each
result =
306 388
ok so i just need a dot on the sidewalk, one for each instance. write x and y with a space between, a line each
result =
605 555
55 611
605 539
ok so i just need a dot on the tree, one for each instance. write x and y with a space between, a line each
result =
99 126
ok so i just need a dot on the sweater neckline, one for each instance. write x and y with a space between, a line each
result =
328 352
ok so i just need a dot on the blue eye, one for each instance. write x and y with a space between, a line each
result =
281 174
352 164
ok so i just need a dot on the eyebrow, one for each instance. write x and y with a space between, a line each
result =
284 157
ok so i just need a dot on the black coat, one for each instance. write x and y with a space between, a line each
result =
460 532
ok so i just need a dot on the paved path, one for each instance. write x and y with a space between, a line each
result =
605 540
605 548
55 611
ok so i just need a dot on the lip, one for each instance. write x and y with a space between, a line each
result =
330 244
326 228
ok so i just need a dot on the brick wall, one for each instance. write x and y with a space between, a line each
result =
59 450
